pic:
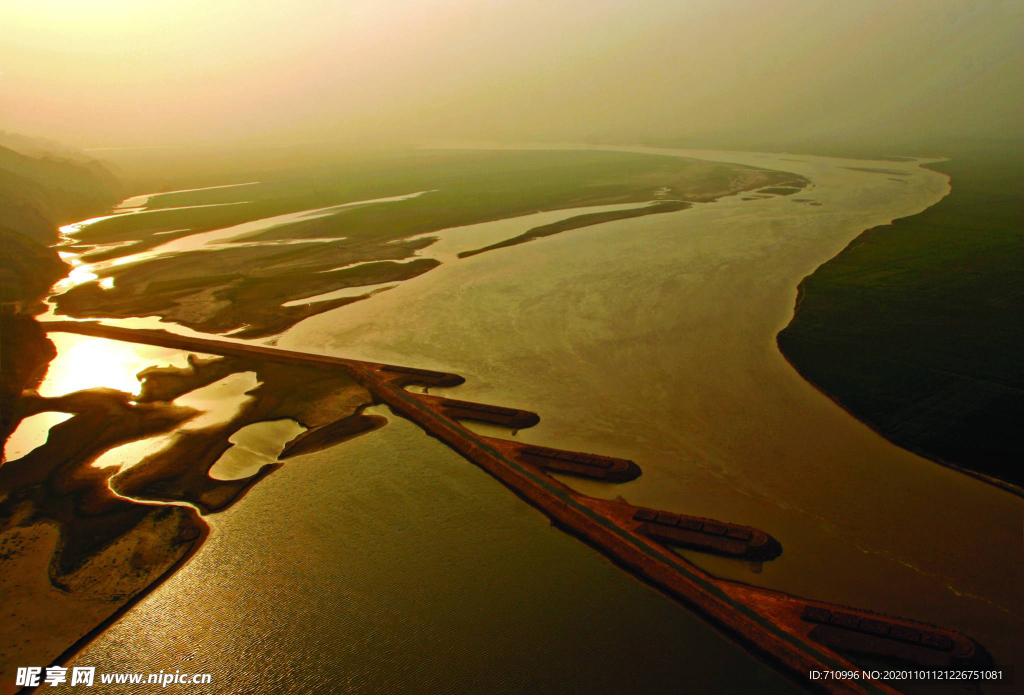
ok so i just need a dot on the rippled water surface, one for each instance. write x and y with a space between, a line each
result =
389 564
654 339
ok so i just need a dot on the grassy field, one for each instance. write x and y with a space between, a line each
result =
917 328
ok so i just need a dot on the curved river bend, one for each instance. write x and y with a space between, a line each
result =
651 338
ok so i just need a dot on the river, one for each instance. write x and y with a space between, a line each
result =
651 338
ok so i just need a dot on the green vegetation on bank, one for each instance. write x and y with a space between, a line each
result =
917 328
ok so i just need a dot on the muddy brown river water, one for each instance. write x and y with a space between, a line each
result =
651 338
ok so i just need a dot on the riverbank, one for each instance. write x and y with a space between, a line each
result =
241 259
159 469
773 625
654 339
944 288
115 499
548 326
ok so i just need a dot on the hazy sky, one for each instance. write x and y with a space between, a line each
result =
121 72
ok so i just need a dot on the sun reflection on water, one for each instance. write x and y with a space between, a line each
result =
84 362
78 275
